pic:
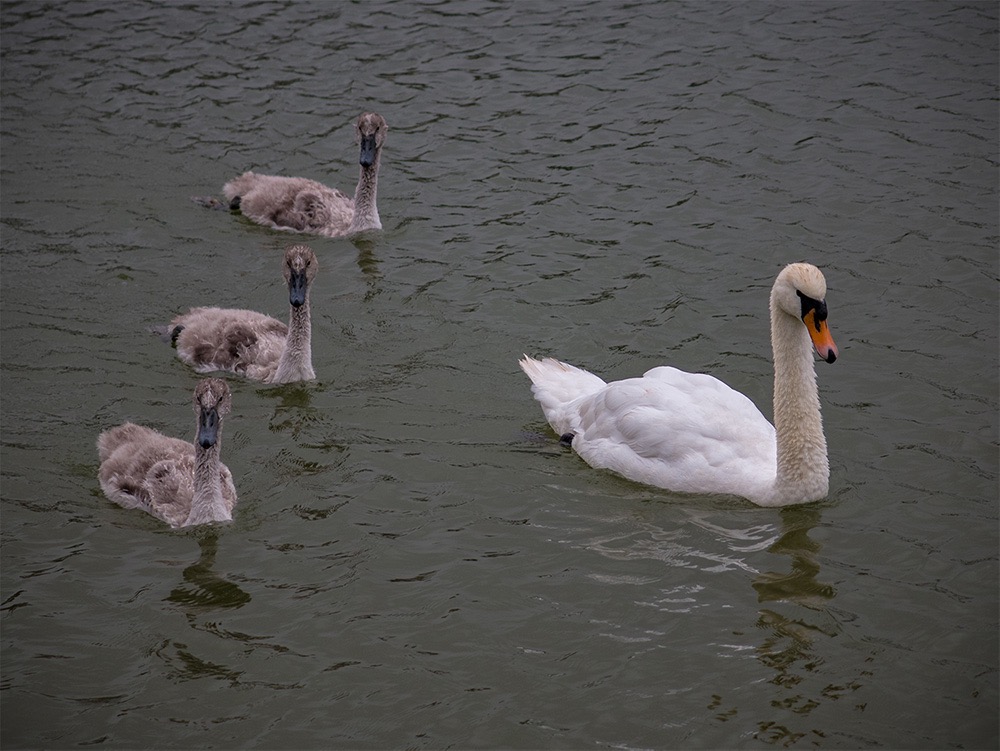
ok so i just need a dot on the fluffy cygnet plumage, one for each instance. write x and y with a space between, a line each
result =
252 344
178 482
302 205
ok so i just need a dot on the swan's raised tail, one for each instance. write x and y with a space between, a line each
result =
555 385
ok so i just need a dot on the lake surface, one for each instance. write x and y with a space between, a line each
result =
415 561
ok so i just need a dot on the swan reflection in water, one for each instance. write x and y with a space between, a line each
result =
791 630
367 243
796 634
203 588
800 584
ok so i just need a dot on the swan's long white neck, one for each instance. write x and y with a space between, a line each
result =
365 198
296 359
803 471
208 504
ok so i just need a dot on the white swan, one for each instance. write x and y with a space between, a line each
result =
301 205
689 432
175 481
249 343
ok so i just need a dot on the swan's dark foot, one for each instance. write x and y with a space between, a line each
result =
234 205
566 439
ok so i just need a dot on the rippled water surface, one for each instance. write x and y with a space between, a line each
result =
415 561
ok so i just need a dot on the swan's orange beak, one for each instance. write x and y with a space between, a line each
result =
821 337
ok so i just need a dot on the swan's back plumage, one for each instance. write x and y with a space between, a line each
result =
688 432
239 341
295 204
149 471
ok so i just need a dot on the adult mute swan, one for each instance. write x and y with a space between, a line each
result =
175 481
301 205
691 433
253 344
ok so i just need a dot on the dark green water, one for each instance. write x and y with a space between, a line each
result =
415 562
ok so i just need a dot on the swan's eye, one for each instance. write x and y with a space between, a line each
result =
809 303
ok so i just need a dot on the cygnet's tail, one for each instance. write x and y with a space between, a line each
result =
555 384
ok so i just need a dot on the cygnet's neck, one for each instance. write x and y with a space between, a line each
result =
296 358
365 198
207 505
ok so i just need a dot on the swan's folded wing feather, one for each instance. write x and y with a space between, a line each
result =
141 465
228 487
313 210
229 339
110 440
169 484
291 203
675 430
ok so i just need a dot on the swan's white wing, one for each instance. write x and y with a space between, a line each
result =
686 432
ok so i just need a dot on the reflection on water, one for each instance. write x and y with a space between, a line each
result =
642 539
794 641
203 596
616 183
203 589
788 626
798 585
293 409
367 243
